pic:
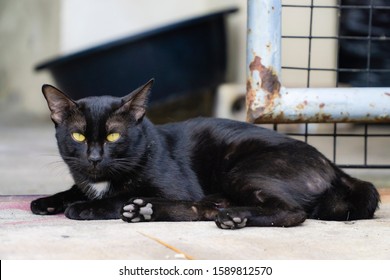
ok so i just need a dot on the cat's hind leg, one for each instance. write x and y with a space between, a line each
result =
262 202
273 213
239 217
137 210
145 209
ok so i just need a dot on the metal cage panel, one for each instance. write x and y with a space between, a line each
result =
336 102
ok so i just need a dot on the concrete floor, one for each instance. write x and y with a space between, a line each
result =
30 165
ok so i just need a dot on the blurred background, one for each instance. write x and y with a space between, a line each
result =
326 43
39 31
33 32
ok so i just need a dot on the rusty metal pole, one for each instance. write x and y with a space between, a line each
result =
263 56
324 105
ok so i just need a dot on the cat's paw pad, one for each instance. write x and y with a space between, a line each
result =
226 219
137 210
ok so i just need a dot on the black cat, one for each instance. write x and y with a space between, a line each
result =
235 173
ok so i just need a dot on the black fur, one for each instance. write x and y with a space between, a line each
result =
235 173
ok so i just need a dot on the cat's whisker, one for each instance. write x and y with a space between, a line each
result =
49 155
55 163
56 167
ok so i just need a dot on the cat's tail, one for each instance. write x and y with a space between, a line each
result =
348 199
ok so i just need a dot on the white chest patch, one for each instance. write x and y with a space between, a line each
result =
97 190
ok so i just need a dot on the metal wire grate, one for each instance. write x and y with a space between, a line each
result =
360 58
360 43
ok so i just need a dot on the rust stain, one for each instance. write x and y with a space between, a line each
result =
302 105
319 118
299 118
269 47
270 85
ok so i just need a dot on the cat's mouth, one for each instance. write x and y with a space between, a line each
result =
96 174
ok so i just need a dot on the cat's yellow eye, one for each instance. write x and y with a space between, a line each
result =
78 137
112 137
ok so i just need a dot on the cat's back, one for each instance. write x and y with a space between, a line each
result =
211 146
201 130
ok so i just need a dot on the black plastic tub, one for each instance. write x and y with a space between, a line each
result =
184 57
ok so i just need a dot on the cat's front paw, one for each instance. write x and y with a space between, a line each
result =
80 211
227 219
92 210
47 206
137 210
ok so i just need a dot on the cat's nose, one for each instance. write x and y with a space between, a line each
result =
94 159
95 156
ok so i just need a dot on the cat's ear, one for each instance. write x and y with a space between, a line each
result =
59 103
135 103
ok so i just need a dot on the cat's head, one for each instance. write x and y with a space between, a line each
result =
100 138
